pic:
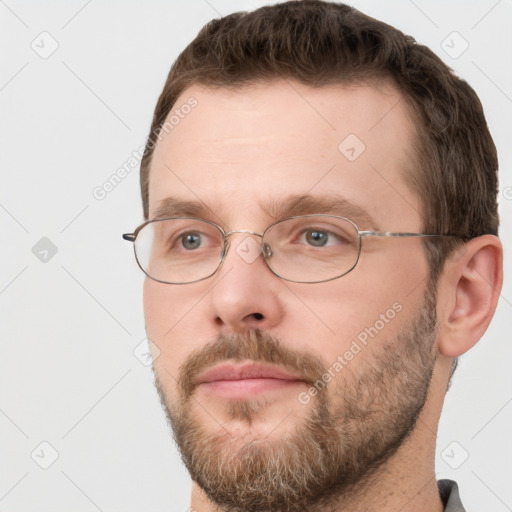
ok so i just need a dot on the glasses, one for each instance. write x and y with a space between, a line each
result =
302 249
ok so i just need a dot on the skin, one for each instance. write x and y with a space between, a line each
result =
240 147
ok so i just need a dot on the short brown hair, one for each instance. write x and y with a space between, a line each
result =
319 43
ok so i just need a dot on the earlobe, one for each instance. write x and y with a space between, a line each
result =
471 287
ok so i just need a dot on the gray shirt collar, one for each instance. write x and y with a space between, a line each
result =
449 492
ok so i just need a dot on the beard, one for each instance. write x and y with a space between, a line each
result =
352 428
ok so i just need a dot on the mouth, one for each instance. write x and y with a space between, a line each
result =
238 381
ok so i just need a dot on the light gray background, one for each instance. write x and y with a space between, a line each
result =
69 326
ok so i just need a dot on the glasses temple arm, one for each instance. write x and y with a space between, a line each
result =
398 234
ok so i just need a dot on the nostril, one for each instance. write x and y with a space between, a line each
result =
257 316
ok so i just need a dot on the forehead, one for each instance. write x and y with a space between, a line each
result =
237 149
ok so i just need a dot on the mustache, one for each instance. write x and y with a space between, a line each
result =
254 345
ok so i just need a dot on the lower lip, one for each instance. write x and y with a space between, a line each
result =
245 388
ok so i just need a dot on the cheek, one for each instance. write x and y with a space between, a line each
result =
155 309
175 323
162 315
168 309
352 316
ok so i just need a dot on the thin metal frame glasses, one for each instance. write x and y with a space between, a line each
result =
323 247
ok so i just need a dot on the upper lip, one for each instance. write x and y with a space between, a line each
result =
230 371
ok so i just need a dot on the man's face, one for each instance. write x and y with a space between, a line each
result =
344 365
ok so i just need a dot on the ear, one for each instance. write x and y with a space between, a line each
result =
468 292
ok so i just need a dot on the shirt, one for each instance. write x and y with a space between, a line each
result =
449 492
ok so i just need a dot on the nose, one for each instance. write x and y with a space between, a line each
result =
245 293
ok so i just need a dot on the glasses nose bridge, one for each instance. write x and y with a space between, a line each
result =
233 232
246 231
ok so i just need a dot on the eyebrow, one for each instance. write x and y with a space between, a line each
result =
289 206
172 207
305 204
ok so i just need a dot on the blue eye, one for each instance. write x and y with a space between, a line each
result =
191 240
317 238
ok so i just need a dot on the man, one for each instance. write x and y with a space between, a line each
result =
320 246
